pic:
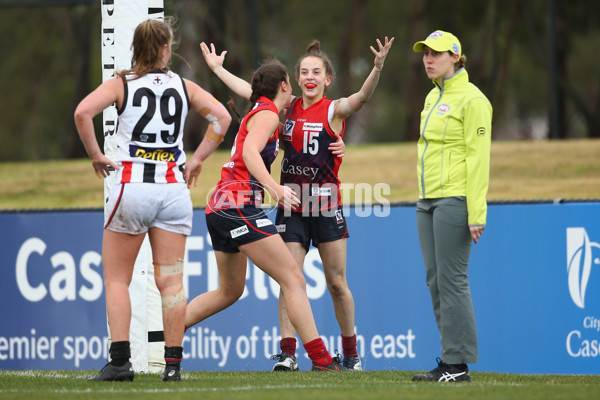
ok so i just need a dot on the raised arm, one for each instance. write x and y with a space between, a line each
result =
215 63
219 119
349 105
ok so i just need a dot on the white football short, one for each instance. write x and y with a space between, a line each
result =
136 207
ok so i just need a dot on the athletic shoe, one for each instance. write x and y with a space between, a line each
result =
287 362
353 363
334 366
112 373
172 373
445 373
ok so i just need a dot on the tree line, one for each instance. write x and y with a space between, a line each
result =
534 59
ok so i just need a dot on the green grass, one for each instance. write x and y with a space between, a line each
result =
520 170
65 385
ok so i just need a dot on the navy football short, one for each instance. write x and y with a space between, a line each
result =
316 229
235 227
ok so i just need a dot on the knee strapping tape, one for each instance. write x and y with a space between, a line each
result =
171 300
164 270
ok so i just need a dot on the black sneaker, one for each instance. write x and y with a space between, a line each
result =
353 363
445 373
334 366
286 362
172 373
112 373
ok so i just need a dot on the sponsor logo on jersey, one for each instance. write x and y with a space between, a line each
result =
320 191
288 129
165 155
148 138
263 222
338 216
287 168
242 230
230 164
481 131
313 126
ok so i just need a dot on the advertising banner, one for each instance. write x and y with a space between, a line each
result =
535 280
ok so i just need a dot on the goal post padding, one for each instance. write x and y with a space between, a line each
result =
119 20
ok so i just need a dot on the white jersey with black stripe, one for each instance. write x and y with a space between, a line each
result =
149 134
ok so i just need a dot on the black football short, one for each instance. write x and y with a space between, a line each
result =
235 227
315 229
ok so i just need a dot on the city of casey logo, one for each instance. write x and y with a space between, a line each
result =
581 256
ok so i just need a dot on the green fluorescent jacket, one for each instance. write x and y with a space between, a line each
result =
454 147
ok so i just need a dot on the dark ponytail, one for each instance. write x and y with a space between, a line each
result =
266 80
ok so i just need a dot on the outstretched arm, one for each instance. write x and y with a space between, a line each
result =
353 103
215 63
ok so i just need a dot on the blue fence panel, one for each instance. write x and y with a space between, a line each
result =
535 280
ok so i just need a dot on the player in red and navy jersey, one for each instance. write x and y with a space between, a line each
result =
309 166
234 205
237 187
152 194
239 228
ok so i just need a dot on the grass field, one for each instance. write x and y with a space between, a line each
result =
520 170
66 385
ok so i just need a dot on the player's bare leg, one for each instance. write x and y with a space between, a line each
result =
272 256
287 329
287 357
232 277
333 256
119 251
168 250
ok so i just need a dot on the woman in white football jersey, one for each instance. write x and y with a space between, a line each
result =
153 181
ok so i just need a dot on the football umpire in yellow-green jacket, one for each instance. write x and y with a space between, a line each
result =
454 146
453 172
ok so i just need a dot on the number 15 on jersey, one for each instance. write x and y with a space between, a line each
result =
311 142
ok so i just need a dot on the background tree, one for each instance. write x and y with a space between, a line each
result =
53 60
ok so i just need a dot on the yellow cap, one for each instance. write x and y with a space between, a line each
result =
439 41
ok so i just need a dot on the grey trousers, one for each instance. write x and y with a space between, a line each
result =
446 245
